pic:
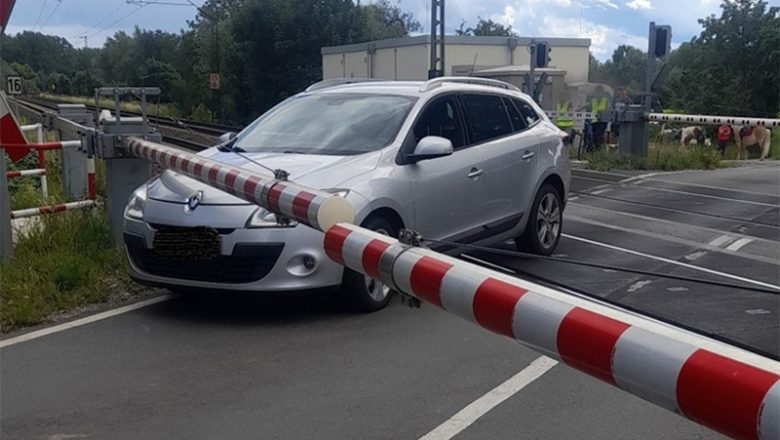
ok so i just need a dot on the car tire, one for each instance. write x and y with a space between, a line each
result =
362 293
543 230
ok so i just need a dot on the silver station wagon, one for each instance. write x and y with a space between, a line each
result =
460 159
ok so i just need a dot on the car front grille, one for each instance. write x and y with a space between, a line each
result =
249 262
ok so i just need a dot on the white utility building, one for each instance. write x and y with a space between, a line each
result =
505 58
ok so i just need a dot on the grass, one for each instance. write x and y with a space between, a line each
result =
166 110
663 158
65 261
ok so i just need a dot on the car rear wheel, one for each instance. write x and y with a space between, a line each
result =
363 293
543 230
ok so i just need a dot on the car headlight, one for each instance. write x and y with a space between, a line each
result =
263 218
135 206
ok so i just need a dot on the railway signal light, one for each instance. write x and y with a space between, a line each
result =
542 55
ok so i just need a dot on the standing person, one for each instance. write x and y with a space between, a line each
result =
724 133
565 123
599 103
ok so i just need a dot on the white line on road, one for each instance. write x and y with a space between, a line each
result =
720 240
677 263
601 191
709 196
737 245
83 321
478 408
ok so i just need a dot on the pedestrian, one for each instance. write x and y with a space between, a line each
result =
724 133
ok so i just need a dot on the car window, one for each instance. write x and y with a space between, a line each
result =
488 117
518 122
441 118
528 112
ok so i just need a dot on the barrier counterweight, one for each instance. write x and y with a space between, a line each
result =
729 390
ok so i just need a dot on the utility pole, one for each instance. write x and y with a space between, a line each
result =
84 37
216 87
437 39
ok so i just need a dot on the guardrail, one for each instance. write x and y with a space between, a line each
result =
725 388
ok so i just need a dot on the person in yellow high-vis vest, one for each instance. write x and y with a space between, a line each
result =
565 123
598 104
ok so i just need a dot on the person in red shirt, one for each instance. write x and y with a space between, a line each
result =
724 133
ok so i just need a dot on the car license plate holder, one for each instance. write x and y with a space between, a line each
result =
187 244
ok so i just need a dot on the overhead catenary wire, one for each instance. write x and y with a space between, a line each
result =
122 4
117 20
601 266
40 12
59 2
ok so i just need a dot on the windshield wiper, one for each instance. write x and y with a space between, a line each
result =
230 147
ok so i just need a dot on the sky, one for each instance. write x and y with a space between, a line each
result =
608 23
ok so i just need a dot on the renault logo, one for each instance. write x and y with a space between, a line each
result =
193 201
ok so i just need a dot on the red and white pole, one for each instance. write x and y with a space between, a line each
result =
314 208
25 173
727 389
91 188
43 210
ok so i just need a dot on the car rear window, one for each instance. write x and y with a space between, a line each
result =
529 114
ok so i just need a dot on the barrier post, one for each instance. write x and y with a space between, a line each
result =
74 160
6 235
42 162
124 172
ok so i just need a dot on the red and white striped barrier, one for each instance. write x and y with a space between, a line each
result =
26 173
38 128
44 146
713 120
43 210
315 208
727 389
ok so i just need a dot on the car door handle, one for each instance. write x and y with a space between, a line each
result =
528 155
475 172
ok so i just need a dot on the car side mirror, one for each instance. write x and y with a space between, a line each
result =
226 137
430 147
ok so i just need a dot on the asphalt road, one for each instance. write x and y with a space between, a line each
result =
238 367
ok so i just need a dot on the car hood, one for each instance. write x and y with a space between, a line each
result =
315 171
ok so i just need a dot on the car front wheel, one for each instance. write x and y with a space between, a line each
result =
543 230
363 293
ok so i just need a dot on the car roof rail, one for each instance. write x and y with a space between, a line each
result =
440 81
333 82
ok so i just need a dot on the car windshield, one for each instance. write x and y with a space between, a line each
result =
338 124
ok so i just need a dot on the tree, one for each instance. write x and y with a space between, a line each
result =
733 66
486 28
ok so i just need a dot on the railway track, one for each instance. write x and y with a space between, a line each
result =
183 133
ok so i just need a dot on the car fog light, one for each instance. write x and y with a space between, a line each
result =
302 265
309 262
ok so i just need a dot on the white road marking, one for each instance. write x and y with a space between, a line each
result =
673 239
601 191
677 289
723 239
83 321
670 222
478 408
638 285
737 245
677 263
571 199
695 255
757 311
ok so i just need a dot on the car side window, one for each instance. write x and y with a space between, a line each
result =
528 112
441 118
488 117
518 122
